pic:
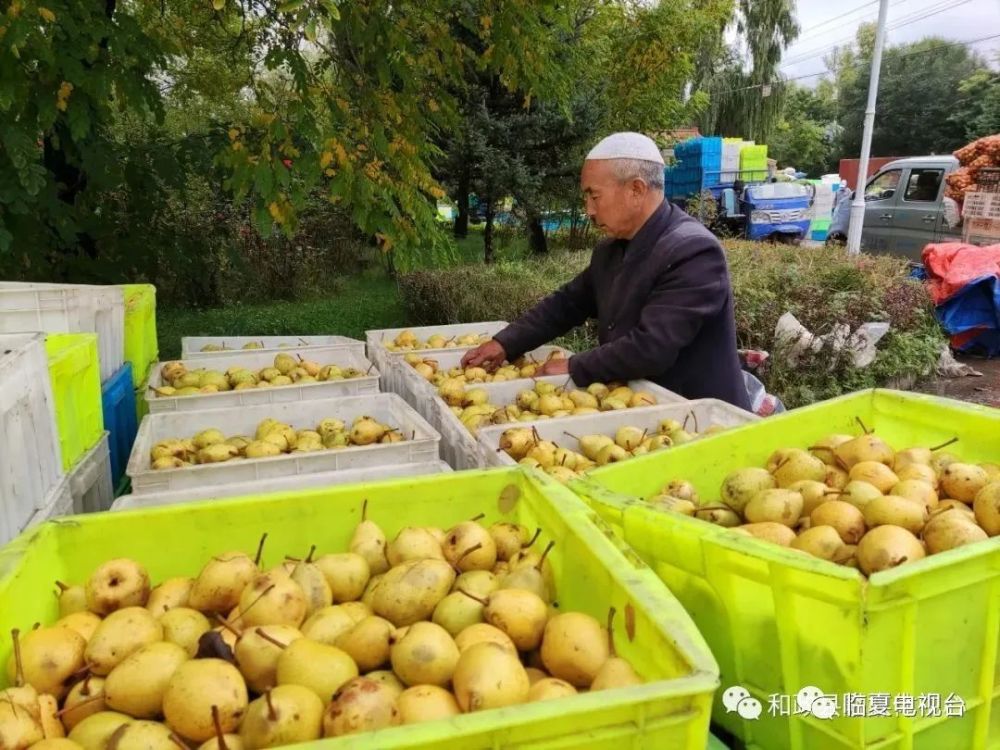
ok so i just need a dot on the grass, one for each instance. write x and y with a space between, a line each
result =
359 303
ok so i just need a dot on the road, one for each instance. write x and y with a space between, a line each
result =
984 390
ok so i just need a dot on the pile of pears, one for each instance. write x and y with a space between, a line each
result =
544 401
287 370
426 626
525 367
526 446
853 500
407 341
272 438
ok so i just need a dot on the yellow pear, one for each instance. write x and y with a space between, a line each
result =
316 666
197 686
136 686
121 634
116 584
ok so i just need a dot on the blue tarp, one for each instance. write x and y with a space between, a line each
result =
975 307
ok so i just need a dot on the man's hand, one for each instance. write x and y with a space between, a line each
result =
488 356
554 367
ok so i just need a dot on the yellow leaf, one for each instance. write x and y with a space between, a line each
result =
218 4
275 210
433 105
47 15
325 158
15 9
487 22
233 134
62 98
329 172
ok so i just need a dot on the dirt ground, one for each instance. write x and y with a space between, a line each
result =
984 390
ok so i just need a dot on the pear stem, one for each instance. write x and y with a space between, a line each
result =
312 551
935 448
475 598
863 427
19 665
611 633
271 713
260 549
538 533
572 436
264 593
75 706
479 517
218 728
720 506
364 510
534 432
473 548
62 586
541 560
177 741
271 639
228 625
85 687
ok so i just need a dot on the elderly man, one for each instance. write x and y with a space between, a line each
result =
658 286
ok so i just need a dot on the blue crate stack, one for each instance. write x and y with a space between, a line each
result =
699 165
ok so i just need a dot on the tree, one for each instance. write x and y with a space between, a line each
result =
978 110
745 100
65 68
919 92
803 137
627 63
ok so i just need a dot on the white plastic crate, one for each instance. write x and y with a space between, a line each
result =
700 414
420 446
256 360
386 361
68 308
57 504
30 458
90 480
417 391
281 484
191 345
461 449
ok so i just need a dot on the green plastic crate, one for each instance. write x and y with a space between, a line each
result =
778 621
591 573
141 348
75 373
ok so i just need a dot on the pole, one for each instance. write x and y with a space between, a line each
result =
858 204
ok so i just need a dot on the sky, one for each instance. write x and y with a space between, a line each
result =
825 24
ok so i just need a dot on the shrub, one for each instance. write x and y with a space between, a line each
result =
823 288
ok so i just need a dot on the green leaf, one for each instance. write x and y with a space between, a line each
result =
291 6
332 10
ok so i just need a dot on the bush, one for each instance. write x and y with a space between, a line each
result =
823 288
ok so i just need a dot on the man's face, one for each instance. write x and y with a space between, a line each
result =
610 204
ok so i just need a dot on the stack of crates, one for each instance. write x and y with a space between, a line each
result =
74 375
699 165
141 348
753 163
33 484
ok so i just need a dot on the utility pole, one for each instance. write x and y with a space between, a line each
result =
858 204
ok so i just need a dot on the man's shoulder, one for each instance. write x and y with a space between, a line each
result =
684 236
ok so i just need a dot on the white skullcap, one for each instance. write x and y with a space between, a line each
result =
626 146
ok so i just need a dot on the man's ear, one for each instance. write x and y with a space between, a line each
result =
639 188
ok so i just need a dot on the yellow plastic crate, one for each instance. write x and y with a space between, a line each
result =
591 573
75 373
778 621
141 348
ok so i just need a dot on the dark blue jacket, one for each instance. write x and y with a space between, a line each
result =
664 307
